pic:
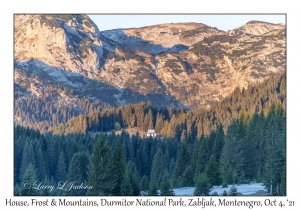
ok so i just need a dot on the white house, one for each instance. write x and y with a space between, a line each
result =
151 133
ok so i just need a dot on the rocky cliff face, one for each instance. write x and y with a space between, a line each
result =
183 64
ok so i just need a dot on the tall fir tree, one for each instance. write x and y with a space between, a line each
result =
29 178
213 172
126 188
203 187
77 172
166 187
182 163
100 169
118 168
61 169
27 158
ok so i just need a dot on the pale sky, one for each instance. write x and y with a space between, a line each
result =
221 21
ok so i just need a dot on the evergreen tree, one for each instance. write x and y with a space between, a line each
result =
233 191
188 177
182 163
218 143
17 191
41 163
203 155
28 179
27 158
202 186
126 187
144 184
166 188
133 175
158 166
232 153
61 169
100 169
153 191
46 191
212 172
77 172
118 168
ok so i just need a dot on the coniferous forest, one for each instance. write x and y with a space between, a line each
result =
240 139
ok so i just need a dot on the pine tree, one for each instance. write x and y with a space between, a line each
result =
100 169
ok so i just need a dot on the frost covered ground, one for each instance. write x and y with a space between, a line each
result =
244 189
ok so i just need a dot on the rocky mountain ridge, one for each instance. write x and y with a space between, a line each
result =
187 65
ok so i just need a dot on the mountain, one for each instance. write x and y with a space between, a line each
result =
65 66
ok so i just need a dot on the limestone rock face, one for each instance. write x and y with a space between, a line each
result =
177 64
65 42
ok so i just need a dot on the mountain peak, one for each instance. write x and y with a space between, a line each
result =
255 27
176 64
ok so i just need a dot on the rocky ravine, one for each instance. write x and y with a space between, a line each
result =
183 64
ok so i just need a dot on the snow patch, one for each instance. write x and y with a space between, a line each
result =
245 189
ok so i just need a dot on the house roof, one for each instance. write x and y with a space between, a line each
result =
150 131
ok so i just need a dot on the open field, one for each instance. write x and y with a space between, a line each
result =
131 132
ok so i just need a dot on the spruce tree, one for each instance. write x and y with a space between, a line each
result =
202 186
100 169
28 180
118 168
153 191
212 172
27 158
77 172
158 166
126 188
233 191
41 163
46 191
166 188
188 177
61 169
133 175
144 184
182 163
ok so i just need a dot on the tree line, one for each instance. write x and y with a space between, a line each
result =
252 149
180 123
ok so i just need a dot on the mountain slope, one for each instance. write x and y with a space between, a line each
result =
182 65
